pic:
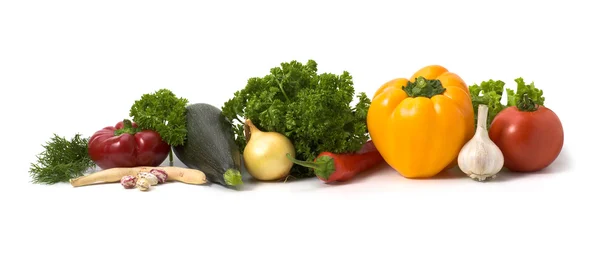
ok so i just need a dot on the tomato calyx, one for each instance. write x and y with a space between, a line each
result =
423 87
527 104
527 98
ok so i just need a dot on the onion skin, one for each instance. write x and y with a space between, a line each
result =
265 154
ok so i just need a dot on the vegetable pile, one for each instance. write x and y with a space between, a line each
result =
420 124
313 110
529 134
296 122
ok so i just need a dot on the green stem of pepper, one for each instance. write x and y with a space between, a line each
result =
423 87
323 166
127 128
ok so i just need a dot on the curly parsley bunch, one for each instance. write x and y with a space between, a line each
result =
313 110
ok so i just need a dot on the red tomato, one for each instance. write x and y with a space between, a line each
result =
529 141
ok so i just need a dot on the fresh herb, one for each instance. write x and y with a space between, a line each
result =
313 110
488 93
526 98
164 113
61 160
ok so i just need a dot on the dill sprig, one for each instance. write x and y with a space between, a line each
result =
61 160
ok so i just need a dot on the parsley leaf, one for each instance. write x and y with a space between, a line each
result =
488 93
526 97
164 113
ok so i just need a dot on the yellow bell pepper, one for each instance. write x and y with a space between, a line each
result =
420 125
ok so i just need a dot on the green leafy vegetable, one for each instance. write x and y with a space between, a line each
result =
61 160
163 112
313 110
488 93
527 98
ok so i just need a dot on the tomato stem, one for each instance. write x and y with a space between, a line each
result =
423 87
527 104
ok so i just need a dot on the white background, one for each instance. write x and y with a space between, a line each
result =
71 67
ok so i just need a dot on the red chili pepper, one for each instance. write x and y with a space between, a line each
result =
125 145
331 167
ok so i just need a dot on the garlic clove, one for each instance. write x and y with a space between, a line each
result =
480 158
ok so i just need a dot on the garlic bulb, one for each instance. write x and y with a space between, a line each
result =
480 158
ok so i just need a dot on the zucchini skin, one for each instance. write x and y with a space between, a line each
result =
210 145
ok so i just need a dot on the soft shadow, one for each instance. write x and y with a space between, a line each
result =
385 169
360 177
382 167
448 174
561 164
453 173
249 183
252 183
367 174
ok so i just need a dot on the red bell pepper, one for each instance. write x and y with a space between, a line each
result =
126 145
330 167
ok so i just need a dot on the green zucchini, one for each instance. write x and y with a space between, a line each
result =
210 146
